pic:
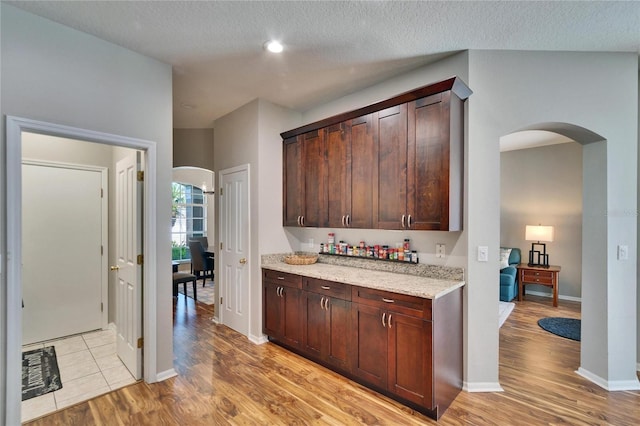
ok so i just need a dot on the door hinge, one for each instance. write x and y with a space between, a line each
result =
140 259
221 191
101 307
140 176
140 342
101 250
220 245
221 300
101 193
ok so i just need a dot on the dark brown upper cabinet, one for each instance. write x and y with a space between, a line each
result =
395 164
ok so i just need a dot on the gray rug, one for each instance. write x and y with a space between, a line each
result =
40 373
563 327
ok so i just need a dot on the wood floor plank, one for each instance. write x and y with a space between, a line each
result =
223 379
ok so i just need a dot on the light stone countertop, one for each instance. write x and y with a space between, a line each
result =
429 288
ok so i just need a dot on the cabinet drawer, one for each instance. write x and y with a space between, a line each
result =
543 277
282 278
327 288
409 305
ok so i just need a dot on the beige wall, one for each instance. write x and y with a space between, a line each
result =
193 147
544 186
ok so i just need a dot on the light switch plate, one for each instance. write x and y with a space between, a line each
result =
483 254
440 251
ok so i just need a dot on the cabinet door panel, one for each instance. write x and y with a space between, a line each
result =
292 327
272 310
314 179
391 188
369 340
428 159
410 359
339 325
361 161
338 174
314 324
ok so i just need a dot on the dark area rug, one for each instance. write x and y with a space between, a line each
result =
564 327
40 373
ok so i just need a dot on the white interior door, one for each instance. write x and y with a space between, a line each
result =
128 271
234 253
62 229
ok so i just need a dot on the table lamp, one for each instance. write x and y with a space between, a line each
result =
538 233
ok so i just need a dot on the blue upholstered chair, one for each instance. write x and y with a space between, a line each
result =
509 277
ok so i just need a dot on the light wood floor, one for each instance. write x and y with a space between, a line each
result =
225 379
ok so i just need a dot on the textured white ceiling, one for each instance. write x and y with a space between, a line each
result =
331 48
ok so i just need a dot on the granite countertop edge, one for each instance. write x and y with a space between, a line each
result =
412 285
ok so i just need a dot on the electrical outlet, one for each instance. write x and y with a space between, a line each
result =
440 252
483 254
623 252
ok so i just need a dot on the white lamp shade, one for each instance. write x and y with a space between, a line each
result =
539 233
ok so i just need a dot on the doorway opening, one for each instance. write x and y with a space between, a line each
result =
16 127
578 213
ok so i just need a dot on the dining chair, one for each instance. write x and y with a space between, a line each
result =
202 266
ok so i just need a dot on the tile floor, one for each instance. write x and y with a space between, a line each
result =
88 367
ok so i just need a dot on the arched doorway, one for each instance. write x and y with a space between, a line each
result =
600 342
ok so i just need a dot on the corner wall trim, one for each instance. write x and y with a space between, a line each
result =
482 387
167 374
610 385
258 340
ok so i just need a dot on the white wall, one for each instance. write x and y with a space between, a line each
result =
544 186
513 90
251 135
55 74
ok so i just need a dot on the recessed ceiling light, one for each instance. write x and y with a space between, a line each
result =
274 46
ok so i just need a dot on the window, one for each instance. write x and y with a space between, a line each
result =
188 218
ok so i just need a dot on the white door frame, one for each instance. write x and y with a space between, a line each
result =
222 204
14 128
104 263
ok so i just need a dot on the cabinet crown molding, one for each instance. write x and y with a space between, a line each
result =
455 84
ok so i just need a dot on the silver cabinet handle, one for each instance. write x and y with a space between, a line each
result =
387 300
302 220
281 278
384 315
348 220
322 303
389 321
326 304
403 221
325 287
343 218
409 221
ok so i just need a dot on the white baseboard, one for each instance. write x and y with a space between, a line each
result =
482 387
560 297
610 385
258 340
167 374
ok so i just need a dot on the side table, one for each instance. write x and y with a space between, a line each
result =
538 275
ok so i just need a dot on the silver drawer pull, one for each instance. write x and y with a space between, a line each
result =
281 278
387 300
325 287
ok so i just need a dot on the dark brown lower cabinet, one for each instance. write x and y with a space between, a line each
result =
407 347
326 323
392 351
281 296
